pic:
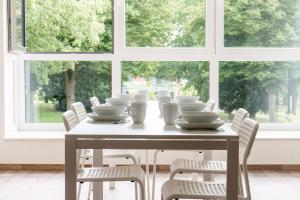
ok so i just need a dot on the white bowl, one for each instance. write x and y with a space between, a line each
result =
125 96
163 93
186 99
199 117
108 110
144 92
192 107
117 102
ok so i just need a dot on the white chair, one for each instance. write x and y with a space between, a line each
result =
239 116
79 110
95 101
81 113
211 190
70 120
210 105
100 174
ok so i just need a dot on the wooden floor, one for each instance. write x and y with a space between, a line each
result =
43 185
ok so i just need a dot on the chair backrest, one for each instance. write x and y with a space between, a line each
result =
95 101
247 134
210 105
79 110
70 120
239 116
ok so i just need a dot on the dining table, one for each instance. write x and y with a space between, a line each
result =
153 134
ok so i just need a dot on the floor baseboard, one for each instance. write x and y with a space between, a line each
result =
160 168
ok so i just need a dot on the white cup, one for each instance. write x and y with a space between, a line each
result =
140 98
170 113
162 100
163 93
138 112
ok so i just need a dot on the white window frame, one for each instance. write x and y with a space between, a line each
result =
214 52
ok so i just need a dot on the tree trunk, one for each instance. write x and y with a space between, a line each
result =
70 82
272 105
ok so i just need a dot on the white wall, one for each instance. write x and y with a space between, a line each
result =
42 151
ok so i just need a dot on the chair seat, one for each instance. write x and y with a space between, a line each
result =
198 166
182 189
109 153
122 173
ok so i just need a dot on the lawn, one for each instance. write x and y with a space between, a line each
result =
47 113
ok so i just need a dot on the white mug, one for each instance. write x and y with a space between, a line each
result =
140 98
170 113
162 100
138 112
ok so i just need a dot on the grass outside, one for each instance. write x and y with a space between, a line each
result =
46 113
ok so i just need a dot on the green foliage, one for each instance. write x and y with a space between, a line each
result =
86 26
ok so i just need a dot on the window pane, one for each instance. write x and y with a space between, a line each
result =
268 90
181 78
20 23
268 23
52 86
69 25
165 23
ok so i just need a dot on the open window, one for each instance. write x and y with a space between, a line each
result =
17 37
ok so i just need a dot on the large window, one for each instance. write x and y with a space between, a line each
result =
51 87
165 23
269 23
181 78
68 26
240 53
268 90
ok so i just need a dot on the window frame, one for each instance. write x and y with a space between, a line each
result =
214 52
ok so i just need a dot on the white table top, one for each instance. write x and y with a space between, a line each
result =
153 128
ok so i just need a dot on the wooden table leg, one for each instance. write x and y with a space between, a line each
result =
232 169
70 169
97 186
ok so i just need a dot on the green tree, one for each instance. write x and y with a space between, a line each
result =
67 26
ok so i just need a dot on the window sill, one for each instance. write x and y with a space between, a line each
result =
60 135
35 135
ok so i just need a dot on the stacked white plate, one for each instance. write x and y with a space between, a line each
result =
186 99
194 106
108 113
118 101
199 120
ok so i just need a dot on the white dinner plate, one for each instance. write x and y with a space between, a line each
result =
108 117
186 125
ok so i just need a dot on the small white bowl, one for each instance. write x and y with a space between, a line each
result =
199 117
108 110
117 101
192 107
144 92
163 93
125 96
186 99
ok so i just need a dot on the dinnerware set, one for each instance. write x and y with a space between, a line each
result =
188 112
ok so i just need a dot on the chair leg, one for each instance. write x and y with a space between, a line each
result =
147 175
112 184
142 191
154 172
245 172
195 176
90 190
